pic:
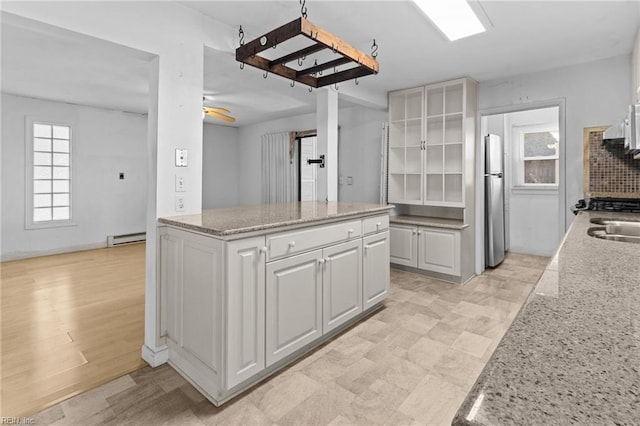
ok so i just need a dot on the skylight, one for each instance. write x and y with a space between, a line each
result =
454 18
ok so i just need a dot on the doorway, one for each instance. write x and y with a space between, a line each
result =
533 140
307 172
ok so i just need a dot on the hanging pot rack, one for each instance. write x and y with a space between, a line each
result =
312 76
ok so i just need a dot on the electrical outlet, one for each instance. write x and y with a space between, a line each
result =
180 187
349 180
180 207
181 158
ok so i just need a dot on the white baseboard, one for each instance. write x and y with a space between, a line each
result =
155 358
26 255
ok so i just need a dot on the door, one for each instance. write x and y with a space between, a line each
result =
245 301
293 304
403 245
308 172
341 283
375 269
494 200
439 250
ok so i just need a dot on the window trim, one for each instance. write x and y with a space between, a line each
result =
29 223
520 185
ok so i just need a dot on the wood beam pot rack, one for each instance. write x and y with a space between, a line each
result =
311 76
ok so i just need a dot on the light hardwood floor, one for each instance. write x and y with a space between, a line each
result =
411 363
70 322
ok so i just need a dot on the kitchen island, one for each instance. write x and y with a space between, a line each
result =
245 291
572 355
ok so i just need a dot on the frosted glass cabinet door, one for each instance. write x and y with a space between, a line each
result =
294 304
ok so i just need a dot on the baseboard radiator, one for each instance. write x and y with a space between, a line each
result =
118 240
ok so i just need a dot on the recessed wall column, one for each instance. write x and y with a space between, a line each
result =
175 122
327 107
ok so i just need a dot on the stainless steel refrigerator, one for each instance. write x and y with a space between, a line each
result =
494 200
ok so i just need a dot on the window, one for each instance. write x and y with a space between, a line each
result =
50 173
540 160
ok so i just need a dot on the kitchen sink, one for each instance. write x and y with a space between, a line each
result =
616 230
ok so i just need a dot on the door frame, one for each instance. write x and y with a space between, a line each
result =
562 182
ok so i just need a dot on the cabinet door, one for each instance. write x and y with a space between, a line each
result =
439 250
245 308
406 116
403 245
293 304
375 269
341 284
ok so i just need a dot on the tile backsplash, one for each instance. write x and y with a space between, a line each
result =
611 171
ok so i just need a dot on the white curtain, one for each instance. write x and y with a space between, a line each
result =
279 169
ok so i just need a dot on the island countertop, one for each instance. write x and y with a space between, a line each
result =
244 219
572 355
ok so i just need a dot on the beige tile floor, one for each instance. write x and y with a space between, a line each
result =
411 363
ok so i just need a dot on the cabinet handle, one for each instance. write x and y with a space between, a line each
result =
414 232
378 225
321 261
292 244
263 249
350 231
419 232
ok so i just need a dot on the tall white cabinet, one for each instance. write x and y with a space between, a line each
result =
430 129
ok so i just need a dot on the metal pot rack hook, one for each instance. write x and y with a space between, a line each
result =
356 81
300 62
310 89
303 8
241 65
266 74
241 36
293 83
335 86
374 49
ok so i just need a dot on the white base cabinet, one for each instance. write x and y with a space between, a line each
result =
427 248
293 305
235 311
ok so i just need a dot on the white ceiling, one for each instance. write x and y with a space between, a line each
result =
524 36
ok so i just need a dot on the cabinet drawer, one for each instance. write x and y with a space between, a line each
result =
375 224
293 242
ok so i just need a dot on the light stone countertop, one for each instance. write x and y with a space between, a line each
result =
244 219
572 355
435 222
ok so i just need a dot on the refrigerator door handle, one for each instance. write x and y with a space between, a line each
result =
493 174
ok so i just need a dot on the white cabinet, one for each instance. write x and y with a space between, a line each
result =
404 245
439 250
293 304
246 310
431 129
427 248
233 310
375 269
341 283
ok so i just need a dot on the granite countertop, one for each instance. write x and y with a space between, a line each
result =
572 355
238 220
436 222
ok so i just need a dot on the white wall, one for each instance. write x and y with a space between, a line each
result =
105 143
220 166
596 93
358 152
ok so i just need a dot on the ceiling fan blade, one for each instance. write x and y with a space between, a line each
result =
218 109
221 116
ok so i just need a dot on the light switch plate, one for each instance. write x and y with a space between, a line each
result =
181 158
180 187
